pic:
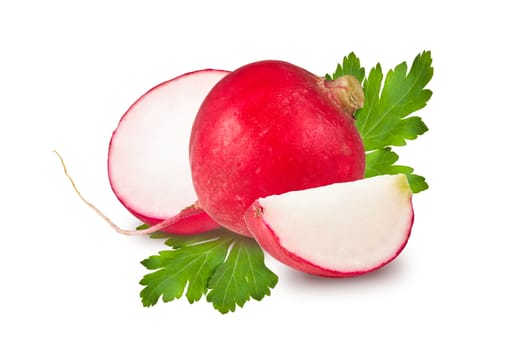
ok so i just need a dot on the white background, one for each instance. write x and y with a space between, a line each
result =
68 71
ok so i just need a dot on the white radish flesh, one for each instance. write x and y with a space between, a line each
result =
339 230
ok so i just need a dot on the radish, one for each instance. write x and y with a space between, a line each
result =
340 230
271 127
148 164
148 161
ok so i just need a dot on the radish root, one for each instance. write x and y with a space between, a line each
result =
155 228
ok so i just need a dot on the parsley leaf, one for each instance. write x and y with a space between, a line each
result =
383 161
243 276
229 269
385 119
350 66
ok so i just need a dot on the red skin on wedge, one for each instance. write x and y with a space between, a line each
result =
268 128
270 242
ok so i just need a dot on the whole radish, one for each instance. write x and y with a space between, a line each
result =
271 127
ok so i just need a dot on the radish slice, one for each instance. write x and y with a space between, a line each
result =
148 162
339 230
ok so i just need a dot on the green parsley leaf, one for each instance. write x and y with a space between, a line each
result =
383 161
350 66
230 266
385 118
244 275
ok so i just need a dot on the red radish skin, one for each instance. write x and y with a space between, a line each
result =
395 227
191 220
271 127
148 164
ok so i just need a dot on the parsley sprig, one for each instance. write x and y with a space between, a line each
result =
227 268
386 118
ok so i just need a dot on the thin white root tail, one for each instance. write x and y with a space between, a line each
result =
155 228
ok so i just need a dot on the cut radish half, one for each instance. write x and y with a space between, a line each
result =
340 230
148 162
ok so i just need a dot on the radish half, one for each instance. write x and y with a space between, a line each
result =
340 230
148 162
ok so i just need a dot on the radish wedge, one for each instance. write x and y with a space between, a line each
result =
148 161
340 230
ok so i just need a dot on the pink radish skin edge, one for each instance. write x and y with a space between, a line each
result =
190 220
270 242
